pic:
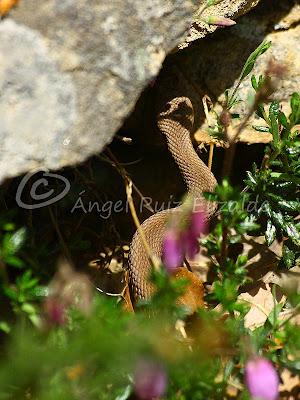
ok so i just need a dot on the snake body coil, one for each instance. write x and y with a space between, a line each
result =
176 123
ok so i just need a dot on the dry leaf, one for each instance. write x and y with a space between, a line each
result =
262 260
261 301
127 303
290 386
251 136
289 281
248 136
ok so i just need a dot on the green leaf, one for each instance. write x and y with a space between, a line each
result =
254 82
293 233
260 111
28 308
125 393
251 179
286 205
288 256
4 327
14 261
285 177
226 292
249 65
261 128
270 233
287 227
35 320
265 208
274 314
274 130
13 242
295 106
9 227
283 120
278 219
249 225
10 293
274 108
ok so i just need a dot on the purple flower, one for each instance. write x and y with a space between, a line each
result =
179 241
172 251
196 227
261 379
150 380
55 311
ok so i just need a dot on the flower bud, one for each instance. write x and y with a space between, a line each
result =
54 311
219 21
150 380
172 251
261 379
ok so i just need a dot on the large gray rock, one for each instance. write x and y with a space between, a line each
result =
226 8
71 70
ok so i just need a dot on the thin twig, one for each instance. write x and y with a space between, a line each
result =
293 314
129 185
211 155
126 178
205 99
224 246
137 223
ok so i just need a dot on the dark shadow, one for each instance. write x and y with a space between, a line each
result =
222 53
147 161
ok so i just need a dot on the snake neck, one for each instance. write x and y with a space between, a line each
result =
196 174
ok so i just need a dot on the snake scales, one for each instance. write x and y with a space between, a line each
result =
176 123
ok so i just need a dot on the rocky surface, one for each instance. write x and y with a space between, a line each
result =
70 71
218 68
227 8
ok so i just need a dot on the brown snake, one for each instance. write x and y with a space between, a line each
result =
176 123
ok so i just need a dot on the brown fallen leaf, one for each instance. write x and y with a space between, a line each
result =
290 386
289 281
7 5
261 301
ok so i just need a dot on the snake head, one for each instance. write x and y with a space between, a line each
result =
180 110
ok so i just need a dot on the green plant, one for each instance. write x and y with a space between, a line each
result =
25 290
275 186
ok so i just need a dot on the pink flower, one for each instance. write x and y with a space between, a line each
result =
261 379
219 21
150 380
172 251
180 242
196 227
55 311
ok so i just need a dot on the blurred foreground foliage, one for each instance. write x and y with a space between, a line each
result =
65 341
